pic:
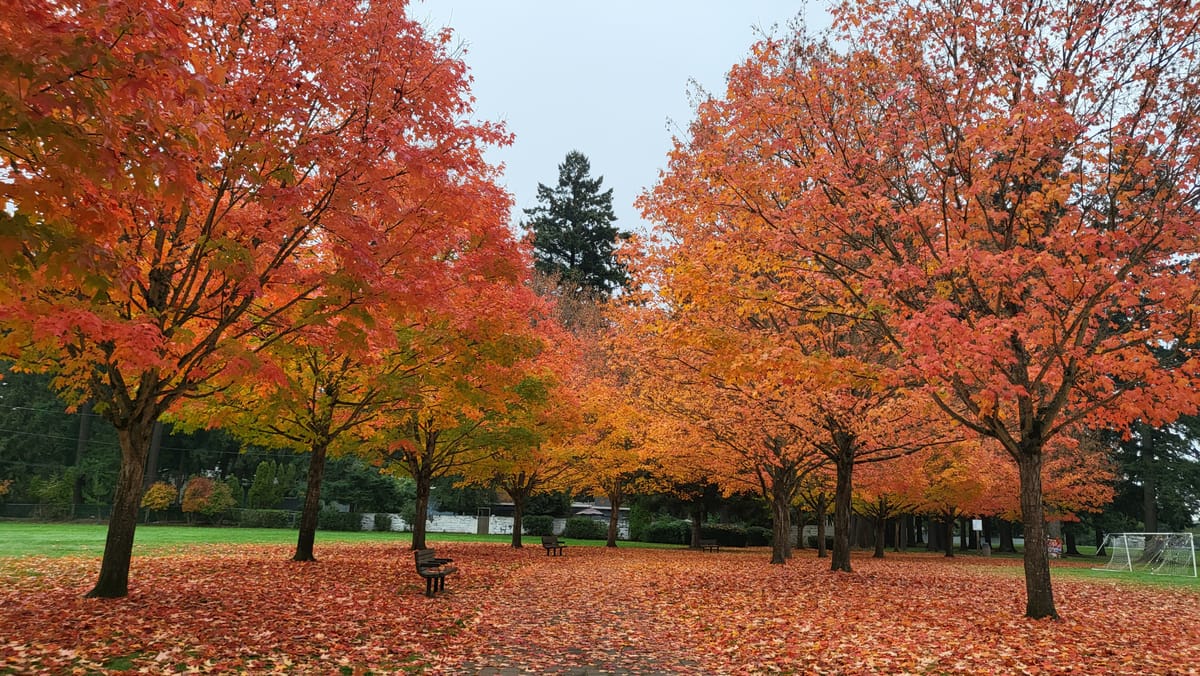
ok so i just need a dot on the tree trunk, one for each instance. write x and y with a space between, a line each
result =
933 543
1006 537
781 520
1069 545
697 519
1149 487
880 523
964 534
122 522
615 497
840 560
948 535
1039 593
424 484
822 517
787 525
312 505
518 494
778 555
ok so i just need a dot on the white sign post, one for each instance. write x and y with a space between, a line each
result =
977 526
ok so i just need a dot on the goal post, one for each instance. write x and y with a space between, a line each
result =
1154 553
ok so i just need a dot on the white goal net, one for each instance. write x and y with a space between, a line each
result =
1155 553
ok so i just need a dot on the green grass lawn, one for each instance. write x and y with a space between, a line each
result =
19 538
69 539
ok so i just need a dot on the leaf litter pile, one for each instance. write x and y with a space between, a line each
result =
361 609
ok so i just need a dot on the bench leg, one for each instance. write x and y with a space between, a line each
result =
429 586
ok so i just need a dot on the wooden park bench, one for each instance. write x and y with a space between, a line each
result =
433 569
552 545
709 546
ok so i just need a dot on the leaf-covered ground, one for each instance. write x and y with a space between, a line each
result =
362 609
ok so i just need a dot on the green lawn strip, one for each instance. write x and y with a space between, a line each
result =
1084 569
21 539
1129 577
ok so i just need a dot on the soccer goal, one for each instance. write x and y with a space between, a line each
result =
1155 553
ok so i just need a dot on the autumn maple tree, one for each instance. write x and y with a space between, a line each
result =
776 370
477 382
731 418
530 450
321 392
1006 188
183 180
882 491
610 453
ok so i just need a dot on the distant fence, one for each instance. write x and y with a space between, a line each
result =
50 512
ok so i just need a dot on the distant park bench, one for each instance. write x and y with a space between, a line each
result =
552 545
710 546
433 569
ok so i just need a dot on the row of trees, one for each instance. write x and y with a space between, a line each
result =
941 229
938 236
275 220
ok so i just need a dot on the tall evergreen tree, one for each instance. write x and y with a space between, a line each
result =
1160 475
574 236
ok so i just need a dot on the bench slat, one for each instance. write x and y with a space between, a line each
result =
433 569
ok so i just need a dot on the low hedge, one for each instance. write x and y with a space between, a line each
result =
726 534
668 531
266 518
537 524
331 519
583 528
758 536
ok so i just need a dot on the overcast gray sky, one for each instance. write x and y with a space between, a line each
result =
610 79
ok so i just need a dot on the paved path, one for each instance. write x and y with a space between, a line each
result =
587 615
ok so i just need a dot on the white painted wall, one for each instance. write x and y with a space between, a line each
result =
458 523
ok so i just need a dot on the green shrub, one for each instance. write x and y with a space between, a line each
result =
332 519
669 531
271 483
583 528
758 536
236 491
640 519
383 522
726 534
538 524
54 495
265 518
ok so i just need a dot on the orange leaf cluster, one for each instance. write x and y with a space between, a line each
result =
360 608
